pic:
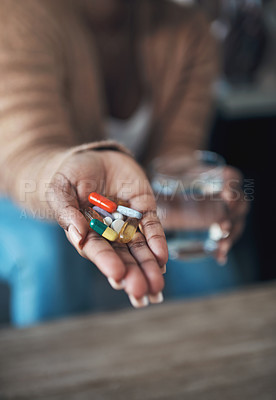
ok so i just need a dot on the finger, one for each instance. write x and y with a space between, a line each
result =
225 227
232 183
63 201
155 236
135 282
229 225
151 226
148 263
163 268
232 174
237 230
239 210
222 251
218 231
224 245
232 192
101 253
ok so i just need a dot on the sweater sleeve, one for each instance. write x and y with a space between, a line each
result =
36 133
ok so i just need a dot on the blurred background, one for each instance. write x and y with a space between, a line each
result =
244 127
243 132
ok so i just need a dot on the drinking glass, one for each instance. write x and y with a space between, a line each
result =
188 189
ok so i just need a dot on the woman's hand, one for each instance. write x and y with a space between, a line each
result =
236 211
136 267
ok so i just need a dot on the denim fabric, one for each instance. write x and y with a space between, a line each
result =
48 278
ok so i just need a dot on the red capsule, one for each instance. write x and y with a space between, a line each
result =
103 202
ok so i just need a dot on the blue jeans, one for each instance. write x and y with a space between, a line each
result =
48 278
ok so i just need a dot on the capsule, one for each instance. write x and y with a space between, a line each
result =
102 202
128 230
103 212
129 212
89 214
103 230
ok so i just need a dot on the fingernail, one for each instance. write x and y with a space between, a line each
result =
138 303
74 234
116 285
225 234
163 269
156 298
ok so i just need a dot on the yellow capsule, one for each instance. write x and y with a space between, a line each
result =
128 230
110 234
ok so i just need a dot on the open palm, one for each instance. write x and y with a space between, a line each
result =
136 267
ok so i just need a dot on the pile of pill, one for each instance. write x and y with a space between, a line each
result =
112 218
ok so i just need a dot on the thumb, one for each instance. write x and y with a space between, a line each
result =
63 201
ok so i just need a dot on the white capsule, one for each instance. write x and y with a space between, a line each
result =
117 225
107 221
117 215
129 212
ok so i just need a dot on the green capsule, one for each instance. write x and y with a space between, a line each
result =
103 230
128 230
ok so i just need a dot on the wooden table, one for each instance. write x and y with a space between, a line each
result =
217 348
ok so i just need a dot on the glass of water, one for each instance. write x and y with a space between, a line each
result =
188 194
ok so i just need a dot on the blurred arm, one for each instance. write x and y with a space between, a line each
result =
181 62
36 131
